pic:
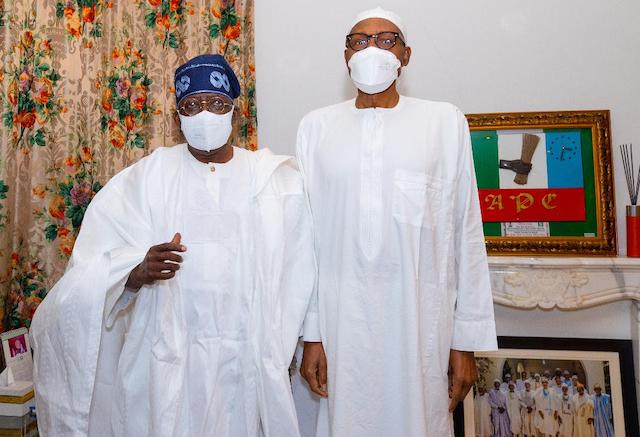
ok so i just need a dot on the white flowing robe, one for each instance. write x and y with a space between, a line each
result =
205 353
403 274
482 416
566 411
513 409
546 403
528 418
584 412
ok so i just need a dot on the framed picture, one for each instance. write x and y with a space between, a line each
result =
545 182
552 386
16 353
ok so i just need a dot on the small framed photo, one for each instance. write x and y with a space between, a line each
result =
545 181
16 352
552 387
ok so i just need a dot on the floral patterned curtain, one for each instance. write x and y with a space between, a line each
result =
86 90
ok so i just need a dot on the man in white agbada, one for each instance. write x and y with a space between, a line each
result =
566 412
482 413
583 420
404 291
513 409
546 412
528 411
192 337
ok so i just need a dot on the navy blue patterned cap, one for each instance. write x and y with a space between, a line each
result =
206 73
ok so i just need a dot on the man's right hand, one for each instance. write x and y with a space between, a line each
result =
314 367
160 263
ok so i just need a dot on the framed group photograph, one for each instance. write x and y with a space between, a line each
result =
545 181
552 386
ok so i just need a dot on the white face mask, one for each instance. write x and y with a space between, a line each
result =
207 131
373 70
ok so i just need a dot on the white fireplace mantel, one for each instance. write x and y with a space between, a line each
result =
569 284
562 282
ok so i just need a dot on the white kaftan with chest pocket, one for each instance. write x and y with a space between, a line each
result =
403 274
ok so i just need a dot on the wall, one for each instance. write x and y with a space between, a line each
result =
483 56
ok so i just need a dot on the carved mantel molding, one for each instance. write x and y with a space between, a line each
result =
564 283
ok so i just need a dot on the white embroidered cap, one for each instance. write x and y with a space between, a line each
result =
384 14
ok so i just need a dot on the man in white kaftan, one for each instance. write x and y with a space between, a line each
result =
528 410
482 413
513 409
566 413
404 291
546 412
192 337
583 421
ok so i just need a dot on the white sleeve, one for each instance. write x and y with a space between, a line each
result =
474 325
311 326
126 298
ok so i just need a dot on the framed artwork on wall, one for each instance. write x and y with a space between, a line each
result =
545 181
520 387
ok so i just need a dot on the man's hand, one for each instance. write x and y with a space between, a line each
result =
500 410
314 367
590 421
160 263
462 375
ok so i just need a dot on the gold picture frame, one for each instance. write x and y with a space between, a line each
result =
588 132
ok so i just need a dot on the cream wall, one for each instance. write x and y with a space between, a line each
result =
483 56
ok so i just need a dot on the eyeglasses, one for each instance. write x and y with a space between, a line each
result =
194 106
384 40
